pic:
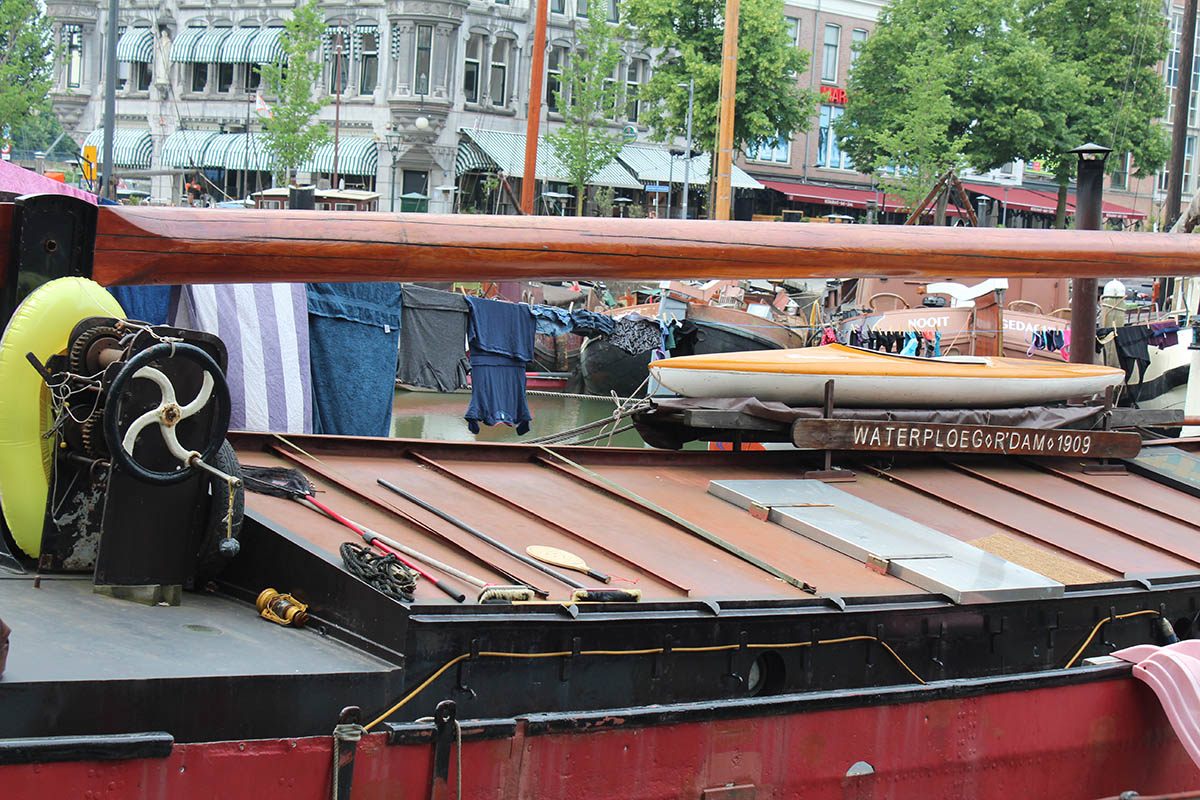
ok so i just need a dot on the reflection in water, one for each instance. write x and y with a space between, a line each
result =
428 415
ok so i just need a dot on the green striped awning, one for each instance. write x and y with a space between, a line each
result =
507 150
136 44
184 46
357 155
187 149
208 47
238 151
236 48
470 158
132 147
329 42
267 47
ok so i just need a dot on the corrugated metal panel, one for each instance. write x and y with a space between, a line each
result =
654 164
132 147
915 553
136 45
507 149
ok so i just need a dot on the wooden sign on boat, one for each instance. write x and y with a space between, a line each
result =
929 437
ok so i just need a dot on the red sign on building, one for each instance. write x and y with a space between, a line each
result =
834 94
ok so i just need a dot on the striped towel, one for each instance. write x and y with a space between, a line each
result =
265 328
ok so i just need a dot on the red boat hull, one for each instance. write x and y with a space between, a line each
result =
1083 740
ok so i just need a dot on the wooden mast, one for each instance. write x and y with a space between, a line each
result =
729 58
537 68
143 244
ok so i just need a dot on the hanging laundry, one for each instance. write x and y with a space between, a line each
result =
1162 334
589 323
1133 350
501 341
635 334
551 320
151 304
354 331
433 339
265 329
910 346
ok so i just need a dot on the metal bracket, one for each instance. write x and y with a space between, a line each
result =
445 720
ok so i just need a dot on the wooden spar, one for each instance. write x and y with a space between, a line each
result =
146 245
729 59
537 67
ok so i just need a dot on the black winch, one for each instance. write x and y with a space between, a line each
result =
145 489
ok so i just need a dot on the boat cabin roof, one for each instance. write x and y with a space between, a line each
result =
967 528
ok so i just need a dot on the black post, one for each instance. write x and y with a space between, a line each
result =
302 198
1089 195
1179 125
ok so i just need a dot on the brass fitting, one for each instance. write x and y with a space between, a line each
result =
282 609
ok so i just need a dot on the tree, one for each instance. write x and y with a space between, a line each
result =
291 134
26 59
769 101
588 99
993 89
918 146
1115 92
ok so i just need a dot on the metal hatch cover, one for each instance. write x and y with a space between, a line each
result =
920 555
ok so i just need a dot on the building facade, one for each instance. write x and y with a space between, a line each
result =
420 70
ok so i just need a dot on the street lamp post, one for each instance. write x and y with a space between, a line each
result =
1089 194
691 84
394 139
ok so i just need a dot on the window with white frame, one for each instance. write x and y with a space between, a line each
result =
1120 178
556 59
368 59
614 10
612 97
72 40
581 8
793 29
199 77
635 76
423 59
471 68
776 150
558 6
498 83
829 153
829 59
1189 158
858 37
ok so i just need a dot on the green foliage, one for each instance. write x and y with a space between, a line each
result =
291 133
980 83
918 147
588 99
999 88
1115 91
769 100
38 129
26 59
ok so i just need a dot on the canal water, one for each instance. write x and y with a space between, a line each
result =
428 415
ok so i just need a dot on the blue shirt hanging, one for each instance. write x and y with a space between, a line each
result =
501 344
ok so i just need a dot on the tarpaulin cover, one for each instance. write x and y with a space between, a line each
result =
661 425
16 181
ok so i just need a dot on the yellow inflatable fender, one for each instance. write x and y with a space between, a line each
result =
40 325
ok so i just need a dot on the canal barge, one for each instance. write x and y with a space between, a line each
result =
832 620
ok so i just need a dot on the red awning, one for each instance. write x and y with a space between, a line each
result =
1016 197
837 196
1041 201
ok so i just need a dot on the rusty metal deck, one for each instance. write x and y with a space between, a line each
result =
1046 516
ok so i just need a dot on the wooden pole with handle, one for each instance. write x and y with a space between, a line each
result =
729 58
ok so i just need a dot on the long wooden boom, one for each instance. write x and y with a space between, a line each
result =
173 245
